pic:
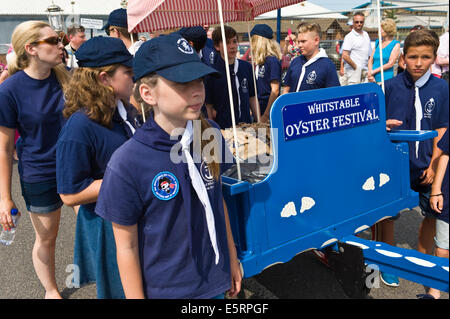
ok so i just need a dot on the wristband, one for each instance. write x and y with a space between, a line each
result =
437 195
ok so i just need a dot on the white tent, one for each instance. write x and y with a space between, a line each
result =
304 9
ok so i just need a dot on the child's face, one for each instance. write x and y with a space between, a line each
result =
308 43
175 103
419 60
122 82
232 48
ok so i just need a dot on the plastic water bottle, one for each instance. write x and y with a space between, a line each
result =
7 236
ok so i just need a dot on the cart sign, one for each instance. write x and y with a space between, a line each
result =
325 116
92 23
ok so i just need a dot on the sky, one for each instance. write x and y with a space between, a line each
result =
335 5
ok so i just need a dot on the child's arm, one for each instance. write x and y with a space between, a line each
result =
236 275
428 174
253 107
86 196
128 260
436 198
274 92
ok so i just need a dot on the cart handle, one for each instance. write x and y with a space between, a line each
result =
408 136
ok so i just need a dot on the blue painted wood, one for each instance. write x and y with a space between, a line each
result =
406 263
353 177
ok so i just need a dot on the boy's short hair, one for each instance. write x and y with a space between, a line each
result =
422 37
217 34
74 29
309 27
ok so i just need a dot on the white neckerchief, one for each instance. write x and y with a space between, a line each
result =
418 104
123 115
320 54
236 67
199 186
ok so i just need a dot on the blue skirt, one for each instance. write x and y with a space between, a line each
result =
95 254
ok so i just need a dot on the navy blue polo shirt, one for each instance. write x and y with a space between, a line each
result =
268 72
400 95
84 148
320 74
443 145
143 186
209 55
34 108
217 92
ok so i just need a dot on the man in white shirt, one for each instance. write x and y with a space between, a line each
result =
356 52
77 37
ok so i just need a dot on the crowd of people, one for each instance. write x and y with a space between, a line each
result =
96 120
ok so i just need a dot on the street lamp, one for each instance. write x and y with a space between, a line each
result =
54 13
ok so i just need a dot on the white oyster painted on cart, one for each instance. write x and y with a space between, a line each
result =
384 178
369 184
289 210
307 203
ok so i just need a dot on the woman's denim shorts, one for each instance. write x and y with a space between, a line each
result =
42 197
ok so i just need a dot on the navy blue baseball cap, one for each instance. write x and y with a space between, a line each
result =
102 51
172 58
117 18
194 34
262 30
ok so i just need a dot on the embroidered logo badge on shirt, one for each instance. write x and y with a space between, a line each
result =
262 71
207 177
244 85
311 78
429 107
165 186
184 46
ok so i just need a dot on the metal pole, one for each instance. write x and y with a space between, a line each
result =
258 110
278 25
230 92
379 44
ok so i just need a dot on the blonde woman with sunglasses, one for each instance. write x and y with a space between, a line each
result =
32 103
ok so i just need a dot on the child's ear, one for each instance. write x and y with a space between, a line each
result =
147 94
104 78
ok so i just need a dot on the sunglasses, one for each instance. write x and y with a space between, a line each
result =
50 40
359 22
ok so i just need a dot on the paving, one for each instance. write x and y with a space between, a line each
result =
303 277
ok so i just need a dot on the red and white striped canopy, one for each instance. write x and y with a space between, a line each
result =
154 15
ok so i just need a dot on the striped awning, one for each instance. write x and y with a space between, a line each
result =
154 15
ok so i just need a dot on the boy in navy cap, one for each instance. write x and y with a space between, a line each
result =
117 27
196 36
243 91
415 100
313 69
97 124
169 218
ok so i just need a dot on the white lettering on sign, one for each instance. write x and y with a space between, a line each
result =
316 108
322 117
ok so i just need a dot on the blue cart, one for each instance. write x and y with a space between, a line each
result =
336 171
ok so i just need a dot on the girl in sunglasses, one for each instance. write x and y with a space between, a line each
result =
32 103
